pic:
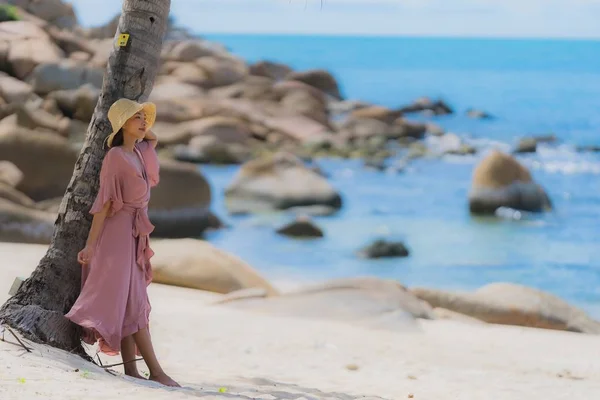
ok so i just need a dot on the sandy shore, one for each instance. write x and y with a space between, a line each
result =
255 356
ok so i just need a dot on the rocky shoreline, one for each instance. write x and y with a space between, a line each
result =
215 108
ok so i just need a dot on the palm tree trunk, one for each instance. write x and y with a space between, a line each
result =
37 309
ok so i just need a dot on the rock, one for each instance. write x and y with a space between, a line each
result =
589 148
56 12
304 103
10 174
77 103
410 129
269 69
187 51
210 150
437 107
65 75
376 163
451 143
478 114
13 90
20 224
512 304
190 73
320 79
434 130
46 161
302 227
294 128
11 194
381 248
379 113
499 180
175 90
197 264
225 129
29 46
251 88
526 145
179 205
370 302
442 313
278 183
102 51
222 71
39 119
355 128
69 42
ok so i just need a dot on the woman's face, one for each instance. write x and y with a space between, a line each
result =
136 126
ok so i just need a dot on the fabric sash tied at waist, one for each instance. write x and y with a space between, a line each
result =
142 228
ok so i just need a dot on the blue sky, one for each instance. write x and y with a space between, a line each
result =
497 18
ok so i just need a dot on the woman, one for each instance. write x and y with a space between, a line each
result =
113 307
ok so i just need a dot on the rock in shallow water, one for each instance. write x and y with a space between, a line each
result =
302 227
499 180
381 248
280 182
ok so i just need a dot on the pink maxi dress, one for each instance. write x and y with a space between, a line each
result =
114 301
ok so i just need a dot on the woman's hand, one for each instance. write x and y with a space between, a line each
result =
84 257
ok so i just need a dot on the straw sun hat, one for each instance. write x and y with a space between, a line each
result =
123 109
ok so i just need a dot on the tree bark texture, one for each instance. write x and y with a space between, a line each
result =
37 309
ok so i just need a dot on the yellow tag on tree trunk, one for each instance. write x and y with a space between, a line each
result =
123 39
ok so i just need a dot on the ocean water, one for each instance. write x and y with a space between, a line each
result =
533 87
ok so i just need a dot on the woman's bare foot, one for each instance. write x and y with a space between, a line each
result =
134 374
165 380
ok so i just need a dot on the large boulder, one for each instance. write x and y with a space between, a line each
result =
512 304
8 192
77 103
199 265
13 90
175 90
366 301
208 149
270 69
256 88
320 79
64 75
222 71
280 182
499 180
292 127
22 224
46 160
187 51
57 12
10 174
179 204
225 129
39 119
28 46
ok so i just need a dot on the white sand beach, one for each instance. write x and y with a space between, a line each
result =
218 352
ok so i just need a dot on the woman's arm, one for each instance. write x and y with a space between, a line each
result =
151 138
97 224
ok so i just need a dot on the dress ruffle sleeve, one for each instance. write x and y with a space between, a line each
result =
151 161
110 186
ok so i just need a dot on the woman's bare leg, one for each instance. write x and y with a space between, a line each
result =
144 343
128 355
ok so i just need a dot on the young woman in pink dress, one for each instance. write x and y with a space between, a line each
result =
113 307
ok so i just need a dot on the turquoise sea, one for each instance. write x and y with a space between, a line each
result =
533 87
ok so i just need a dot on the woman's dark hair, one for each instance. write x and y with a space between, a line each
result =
117 140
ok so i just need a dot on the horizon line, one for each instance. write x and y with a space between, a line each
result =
399 35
